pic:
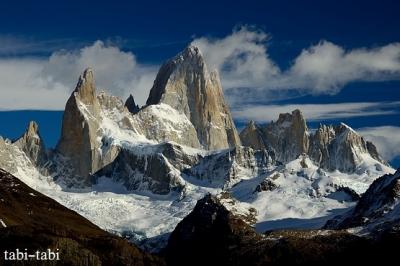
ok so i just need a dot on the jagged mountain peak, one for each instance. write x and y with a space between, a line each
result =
185 84
85 89
332 147
342 127
296 116
191 56
341 148
131 105
251 124
32 129
252 136
288 135
80 127
189 60
192 51
31 143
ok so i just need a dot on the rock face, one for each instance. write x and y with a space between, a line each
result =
80 128
330 147
131 105
340 148
160 122
9 153
156 170
231 165
288 136
24 212
252 136
26 155
31 143
185 84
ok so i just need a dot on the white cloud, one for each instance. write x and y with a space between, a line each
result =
386 138
326 67
316 112
22 87
245 65
47 83
17 45
241 58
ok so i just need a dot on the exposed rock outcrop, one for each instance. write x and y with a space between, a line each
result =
31 143
266 185
80 129
8 154
340 148
233 164
156 168
131 105
185 84
288 136
252 136
330 147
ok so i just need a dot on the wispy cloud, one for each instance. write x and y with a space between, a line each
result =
12 46
46 83
386 138
316 112
245 65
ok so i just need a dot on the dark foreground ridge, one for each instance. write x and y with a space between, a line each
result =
211 235
32 221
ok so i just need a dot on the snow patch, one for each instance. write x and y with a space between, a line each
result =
2 223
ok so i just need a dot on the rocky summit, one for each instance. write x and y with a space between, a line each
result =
186 84
80 127
31 143
330 147
288 136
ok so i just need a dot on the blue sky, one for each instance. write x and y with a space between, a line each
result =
337 60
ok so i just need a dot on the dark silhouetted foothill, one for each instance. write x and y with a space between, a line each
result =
33 221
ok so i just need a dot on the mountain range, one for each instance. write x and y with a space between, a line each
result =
174 175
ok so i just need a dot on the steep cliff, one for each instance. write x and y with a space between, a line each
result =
185 84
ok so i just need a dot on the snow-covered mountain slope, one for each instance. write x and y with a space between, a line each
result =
299 194
303 195
138 173
377 209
